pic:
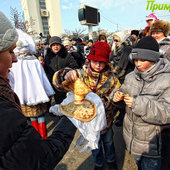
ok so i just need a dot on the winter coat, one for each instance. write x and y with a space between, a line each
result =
115 56
165 47
77 51
120 58
130 41
79 58
21 146
124 65
145 123
54 62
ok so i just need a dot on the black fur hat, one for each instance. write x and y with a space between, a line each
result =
135 32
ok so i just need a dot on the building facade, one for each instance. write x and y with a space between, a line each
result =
43 16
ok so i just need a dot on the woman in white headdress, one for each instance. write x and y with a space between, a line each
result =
29 81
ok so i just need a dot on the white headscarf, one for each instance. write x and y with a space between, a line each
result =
25 44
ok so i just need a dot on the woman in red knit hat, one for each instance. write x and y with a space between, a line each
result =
98 75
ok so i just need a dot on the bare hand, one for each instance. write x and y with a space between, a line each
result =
71 76
118 96
128 100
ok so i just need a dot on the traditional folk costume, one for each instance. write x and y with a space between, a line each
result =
29 81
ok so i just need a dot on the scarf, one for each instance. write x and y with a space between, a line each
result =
100 83
8 94
93 79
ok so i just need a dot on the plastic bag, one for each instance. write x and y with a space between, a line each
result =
90 131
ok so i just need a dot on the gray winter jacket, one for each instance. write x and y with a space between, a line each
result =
165 47
150 112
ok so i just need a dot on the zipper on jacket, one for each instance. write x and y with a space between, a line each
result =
143 82
133 118
132 134
157 140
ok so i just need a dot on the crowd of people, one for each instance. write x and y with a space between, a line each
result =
130 75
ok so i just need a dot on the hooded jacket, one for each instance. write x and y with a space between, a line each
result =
145 122
165 47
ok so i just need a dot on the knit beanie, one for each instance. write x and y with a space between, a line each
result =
100 52
161 26
55 39
147 49
8 34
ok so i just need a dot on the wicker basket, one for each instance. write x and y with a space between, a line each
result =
34 111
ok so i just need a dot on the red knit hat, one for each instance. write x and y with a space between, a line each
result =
100 52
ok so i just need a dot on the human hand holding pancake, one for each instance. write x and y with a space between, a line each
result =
118 96
76 85
128 100
71 76
81 109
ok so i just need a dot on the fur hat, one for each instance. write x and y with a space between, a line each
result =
55 39
8 34
102 37
147 49
161 26
100 52
135 32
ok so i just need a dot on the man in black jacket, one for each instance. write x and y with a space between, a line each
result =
57 58
77 51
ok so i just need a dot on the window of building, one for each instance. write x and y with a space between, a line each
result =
45 25
44 19
42 4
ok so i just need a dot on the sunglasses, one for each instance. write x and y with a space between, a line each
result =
116 40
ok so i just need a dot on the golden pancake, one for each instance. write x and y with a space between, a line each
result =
84 112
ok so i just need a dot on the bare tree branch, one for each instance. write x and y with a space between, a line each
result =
18 22
78 33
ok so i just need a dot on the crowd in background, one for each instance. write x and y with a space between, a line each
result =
110 70
120 61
